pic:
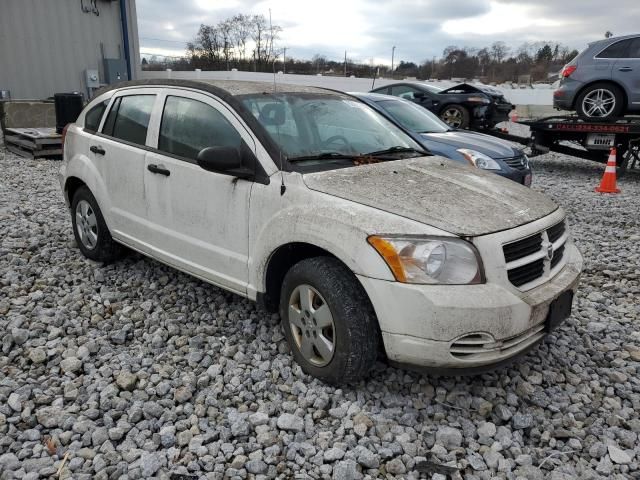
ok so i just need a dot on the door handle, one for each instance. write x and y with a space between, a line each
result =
625 69
97 150
158 169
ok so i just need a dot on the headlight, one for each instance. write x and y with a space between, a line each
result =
432 260
479 160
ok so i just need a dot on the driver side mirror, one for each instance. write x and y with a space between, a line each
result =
419 95
225 160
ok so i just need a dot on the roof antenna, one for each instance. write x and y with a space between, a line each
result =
283 187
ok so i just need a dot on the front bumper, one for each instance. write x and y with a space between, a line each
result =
424 325
523 177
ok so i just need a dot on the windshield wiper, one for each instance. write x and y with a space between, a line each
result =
325 156
396 149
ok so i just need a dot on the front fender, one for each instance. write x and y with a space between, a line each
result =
336 225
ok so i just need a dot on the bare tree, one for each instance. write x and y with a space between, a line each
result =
499 51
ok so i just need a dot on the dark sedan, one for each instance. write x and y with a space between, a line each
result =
461 106
483 151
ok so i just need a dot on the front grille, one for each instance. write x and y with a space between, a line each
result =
556 231
526 273
530 260
482 346
518 163
522 248
557 256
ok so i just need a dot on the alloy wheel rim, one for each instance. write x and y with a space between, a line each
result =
86 224
599 103
452 117
312 325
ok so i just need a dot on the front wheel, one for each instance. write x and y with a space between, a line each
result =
456 116
328 321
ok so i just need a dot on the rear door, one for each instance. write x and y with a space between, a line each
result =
626 71
198 219
119 154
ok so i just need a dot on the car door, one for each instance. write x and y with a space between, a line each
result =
199 219
627 72
419 96
119 155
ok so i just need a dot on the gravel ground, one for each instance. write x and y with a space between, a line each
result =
133 370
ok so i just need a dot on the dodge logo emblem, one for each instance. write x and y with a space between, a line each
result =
549 251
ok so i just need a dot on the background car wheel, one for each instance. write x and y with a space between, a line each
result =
600 100
328 320
90 230
455 116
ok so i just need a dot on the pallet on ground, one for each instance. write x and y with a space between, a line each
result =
33 142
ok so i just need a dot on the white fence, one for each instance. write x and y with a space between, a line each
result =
528 96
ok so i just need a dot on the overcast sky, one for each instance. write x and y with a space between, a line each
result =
420 29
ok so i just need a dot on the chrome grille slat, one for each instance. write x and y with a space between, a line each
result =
518 163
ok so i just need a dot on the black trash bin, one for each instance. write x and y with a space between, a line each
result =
68 107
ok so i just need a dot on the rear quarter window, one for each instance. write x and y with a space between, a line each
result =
616 50
93 116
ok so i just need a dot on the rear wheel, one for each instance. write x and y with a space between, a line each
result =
600 100
90 230
456 116
328 320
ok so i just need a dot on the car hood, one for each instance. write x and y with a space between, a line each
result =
437 192
465 88
491 146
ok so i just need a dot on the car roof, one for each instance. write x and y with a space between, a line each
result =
611 40
230 87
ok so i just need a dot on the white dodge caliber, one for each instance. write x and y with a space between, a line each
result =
313 204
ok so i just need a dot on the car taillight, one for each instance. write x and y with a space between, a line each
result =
568 70
64 135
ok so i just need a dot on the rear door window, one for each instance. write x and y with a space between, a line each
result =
128 118
189 126
617 50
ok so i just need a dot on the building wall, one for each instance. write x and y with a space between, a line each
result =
46 45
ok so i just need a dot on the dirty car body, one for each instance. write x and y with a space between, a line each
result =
317 206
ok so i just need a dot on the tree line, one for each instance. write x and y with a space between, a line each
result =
248 42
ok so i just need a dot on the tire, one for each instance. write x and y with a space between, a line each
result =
354 331
93 237
602 91
456 116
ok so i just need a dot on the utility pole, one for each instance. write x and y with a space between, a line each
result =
393 51
345 63
284 60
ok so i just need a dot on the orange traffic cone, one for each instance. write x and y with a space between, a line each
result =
608 183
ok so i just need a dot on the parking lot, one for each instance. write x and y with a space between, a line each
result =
136 369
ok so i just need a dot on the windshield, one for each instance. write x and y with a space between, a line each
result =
413 117
310 125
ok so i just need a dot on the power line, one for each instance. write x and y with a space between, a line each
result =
164 40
